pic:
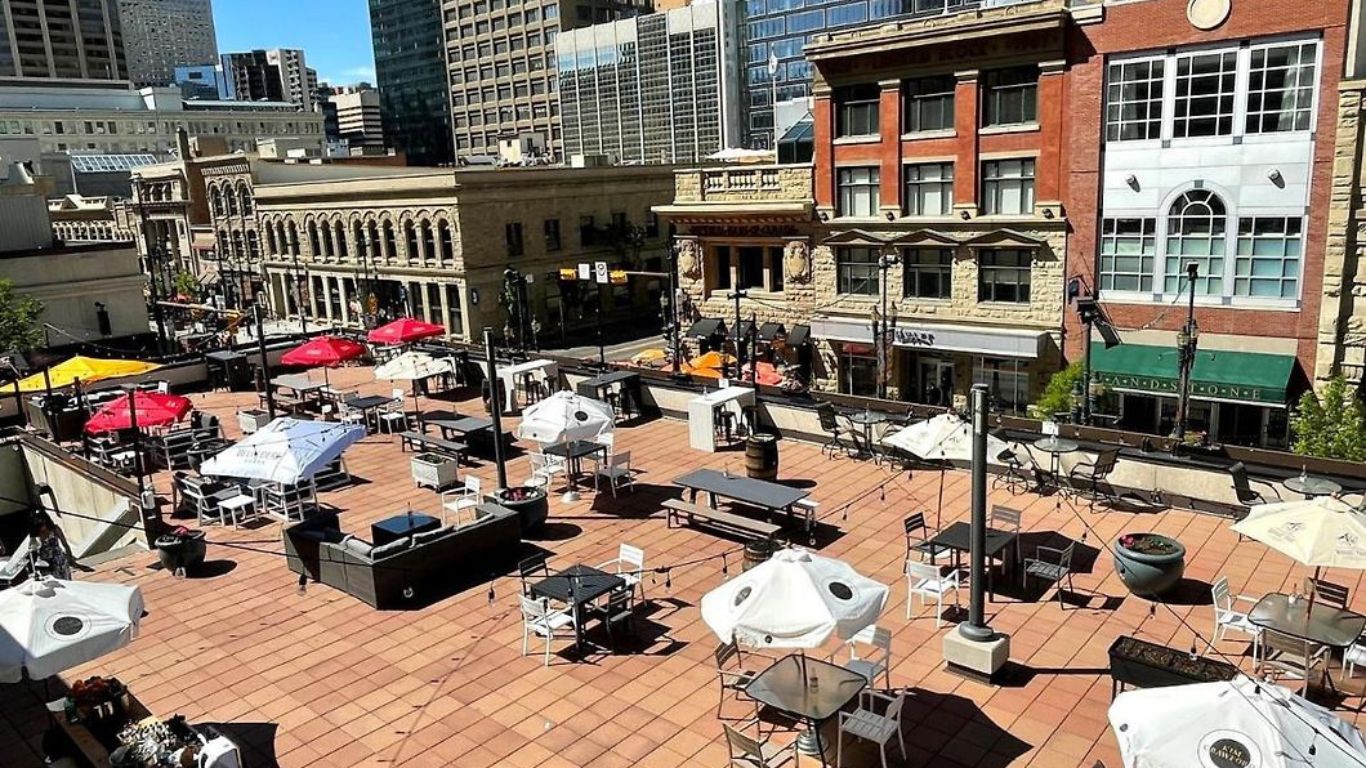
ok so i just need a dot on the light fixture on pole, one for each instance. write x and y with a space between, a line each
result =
738 294
1187 341
882 326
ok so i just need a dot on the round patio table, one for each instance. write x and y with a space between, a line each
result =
1312 486
808 689
867 419
1055 447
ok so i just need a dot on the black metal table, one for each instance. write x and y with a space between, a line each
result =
573 452
577 586
958 539
394 528
368 405
1310 486
454 422
629 380
808 689
1325 625
746 490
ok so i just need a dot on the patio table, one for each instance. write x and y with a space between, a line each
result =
958 539
573 452
577 586
808 689
747 490
630 386
1325 625
394 528
1311 486
868 419
449 422
367 405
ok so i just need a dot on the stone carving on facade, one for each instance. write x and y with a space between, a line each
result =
797 261
689 259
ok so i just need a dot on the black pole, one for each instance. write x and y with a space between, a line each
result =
677 338
602 351
298 292
735 334
976 627
1088 403
19 399
495 409
265 362
1187 341
753 342
151 267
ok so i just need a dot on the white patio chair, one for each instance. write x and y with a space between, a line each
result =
1352 657
608 441
539 619
926 580
459 499
616 471
629 564
876 660
1227 619
544 468
393 418
865 723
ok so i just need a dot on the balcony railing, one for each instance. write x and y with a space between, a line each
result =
746 183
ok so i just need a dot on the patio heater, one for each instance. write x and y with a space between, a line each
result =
495 409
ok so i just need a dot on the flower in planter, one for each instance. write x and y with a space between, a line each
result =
520 493
1147 544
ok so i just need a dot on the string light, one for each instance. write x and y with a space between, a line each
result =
725 564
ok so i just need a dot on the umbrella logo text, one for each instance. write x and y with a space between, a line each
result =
1224 749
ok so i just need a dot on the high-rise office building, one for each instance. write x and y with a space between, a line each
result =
410 72
160 35
72 40
358 118
278 74
500 56
204 81
658 88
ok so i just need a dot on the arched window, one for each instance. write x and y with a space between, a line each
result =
443 233
372 235
428 240
341 251
314 246
410 239
293 238
1197 228
390 242
272 245
230 202
245 195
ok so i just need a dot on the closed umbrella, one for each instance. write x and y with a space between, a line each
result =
404 330
414 367
1240 722
943 438
566 416
153 409
1323 532
325 351
48 626
285 451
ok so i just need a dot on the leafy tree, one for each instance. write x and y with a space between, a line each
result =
1057 396
186 285
1330 425
19 326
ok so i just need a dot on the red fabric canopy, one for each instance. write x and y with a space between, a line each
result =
151 408
404 330
323 350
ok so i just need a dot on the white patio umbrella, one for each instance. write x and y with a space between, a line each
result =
796 599
566 416
1234 723
49 625
413 367
285 451
1323 532
943 438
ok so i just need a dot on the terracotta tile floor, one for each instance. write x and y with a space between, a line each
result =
319 679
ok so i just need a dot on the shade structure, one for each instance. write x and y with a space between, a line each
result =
49 625
87 369
1234 723
285 451
942 438
1323 532
328 351
796 599
566 416
404 330
152 409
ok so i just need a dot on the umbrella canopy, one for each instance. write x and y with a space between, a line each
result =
1234 723
329 351
796 599
404 330
566 416
48 626
942 438
87 369
152 409
285 451
766 374
412 366
1323 532
717 360
649 357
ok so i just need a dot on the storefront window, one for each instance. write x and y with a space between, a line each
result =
858 370
1008 380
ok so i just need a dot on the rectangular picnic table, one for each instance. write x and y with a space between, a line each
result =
746 490
449 422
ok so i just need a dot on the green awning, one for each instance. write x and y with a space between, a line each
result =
1242 377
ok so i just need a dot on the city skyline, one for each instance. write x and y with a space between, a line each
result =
339 50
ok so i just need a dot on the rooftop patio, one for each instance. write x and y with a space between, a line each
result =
314 677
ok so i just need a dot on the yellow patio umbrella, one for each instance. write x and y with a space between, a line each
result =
717 360
87 369
648 357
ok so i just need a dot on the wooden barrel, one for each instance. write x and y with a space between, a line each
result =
757 551
761 457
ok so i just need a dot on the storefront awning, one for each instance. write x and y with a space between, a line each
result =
799 335
770 331
705 328
944 337
209 277
203 242
1236 377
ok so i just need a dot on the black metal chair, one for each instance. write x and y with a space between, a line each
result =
1090 477
918 538
838 432
532 567
1242 486
1052 565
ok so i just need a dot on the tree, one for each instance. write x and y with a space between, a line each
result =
186 285
19 327
1057 396
1330 425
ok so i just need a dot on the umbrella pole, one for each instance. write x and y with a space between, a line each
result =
939 510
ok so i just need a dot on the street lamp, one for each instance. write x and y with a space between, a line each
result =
882 325
140 186
738 294
1187 340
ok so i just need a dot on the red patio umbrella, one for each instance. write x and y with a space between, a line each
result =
404 330
153 409
326 351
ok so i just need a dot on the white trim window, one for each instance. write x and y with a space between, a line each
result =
1008 187
929 189
856 271
1280 94
1010 96
1128 254
1134 92
1006 378
1205 89
1267 264
857 110
1197 224
858 190
1004 275
928 273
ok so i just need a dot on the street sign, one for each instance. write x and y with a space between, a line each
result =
600 271
617 276
585 272
568 273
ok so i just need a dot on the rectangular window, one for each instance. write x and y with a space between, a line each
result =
1281 88
1205 85
1010 96
1268 260
512 232
929 104
1008 187
552 235
720 268
856 110
929 273
929 189
1133 100
1003 274
858 191
857 271
1128 253
651 225
749 267
1007 379
858 371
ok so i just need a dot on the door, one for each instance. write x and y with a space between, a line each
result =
935 379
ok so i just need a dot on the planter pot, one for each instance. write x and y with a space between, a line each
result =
1149 574
532 511
252 419
434 470
182 552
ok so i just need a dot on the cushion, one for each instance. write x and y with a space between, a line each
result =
357 546
422 538
384 550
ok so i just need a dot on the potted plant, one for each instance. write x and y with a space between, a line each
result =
1149 564
181 549
434 470
529 502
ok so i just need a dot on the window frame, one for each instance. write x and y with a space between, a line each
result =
912 189
847 187
991 286
1115 120
994 185
1110 237
913 104
857 111
997 85
915 269
862 274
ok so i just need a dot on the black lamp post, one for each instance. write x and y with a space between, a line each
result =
495 409
976 627
738 294
882 326
1187 340
151 265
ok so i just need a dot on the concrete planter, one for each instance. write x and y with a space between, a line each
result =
1149 564
532 508
433 470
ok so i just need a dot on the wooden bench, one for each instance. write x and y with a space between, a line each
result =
416 440
679 510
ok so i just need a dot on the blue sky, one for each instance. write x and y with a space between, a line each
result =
335 34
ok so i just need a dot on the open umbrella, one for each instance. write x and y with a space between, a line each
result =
566 416
325 351
1323 532
766 374
944 438
404 330
49 625
1240 722
87 369
152 409
414 367
285 451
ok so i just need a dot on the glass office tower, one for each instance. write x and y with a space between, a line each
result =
410 74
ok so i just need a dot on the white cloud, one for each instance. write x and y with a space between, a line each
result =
350 76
